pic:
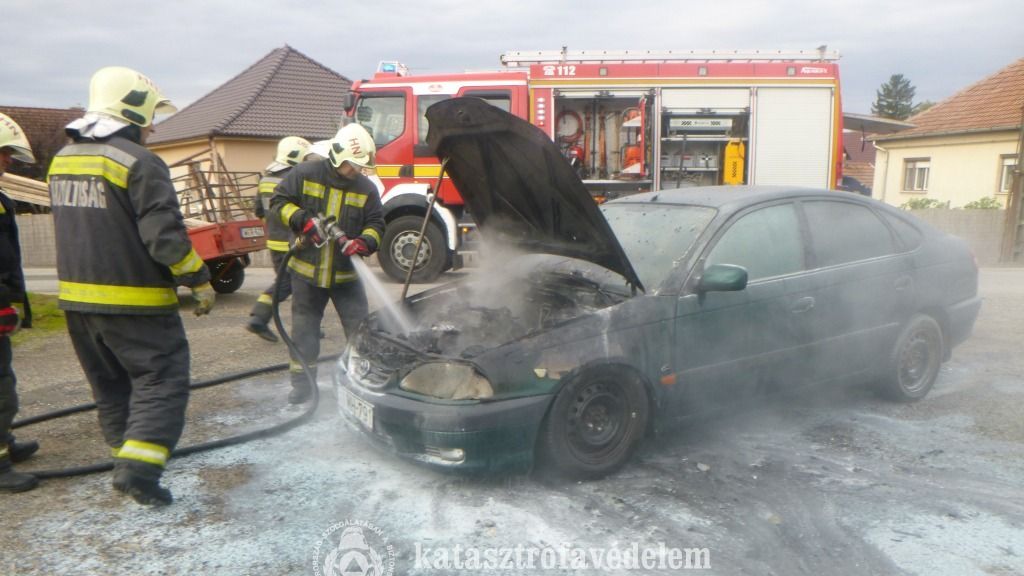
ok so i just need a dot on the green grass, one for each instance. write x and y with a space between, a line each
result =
46 319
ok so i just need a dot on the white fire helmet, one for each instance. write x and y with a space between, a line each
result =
13 137
352 144
126 94
292 150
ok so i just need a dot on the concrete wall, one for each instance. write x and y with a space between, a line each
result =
982 229
38 244
962 169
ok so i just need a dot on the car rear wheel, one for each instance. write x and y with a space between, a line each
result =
595 423
915 361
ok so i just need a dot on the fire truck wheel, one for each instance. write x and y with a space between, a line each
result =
226 276
399 245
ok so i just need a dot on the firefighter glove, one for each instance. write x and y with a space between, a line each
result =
355 246
9 321
313 230
204 296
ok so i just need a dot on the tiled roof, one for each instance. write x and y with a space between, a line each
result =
44 128
991 104
858 148
284 94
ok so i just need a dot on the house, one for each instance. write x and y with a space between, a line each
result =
44 128
285 93
859 151
961 150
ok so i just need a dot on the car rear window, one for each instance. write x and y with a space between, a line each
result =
844 232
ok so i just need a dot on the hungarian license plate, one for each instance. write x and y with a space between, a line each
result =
253 232
362 410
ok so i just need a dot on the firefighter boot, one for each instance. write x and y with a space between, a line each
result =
11 481
142 483
260 329
300 392
21 451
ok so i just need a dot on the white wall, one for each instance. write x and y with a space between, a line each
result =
963 168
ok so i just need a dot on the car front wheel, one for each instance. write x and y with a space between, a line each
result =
915 361
595 423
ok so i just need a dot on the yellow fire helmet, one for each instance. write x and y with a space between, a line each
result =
126 94
292 150
352 144
13 137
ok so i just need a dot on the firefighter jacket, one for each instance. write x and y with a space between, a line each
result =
12 280
314 188
122 246
278 234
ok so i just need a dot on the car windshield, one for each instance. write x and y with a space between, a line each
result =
655 237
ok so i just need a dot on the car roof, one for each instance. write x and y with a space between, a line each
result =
729 198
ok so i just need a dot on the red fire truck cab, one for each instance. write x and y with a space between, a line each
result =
627 121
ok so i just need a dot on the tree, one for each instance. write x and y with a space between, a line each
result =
894 99
922 106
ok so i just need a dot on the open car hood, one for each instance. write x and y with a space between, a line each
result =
518 187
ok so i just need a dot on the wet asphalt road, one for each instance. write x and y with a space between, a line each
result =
823 482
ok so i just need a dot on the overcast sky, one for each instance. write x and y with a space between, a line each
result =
51 48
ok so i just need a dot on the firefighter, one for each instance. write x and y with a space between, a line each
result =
14 313
122 248
290 152
312 192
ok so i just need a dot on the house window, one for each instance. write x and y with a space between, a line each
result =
915 174
1008 164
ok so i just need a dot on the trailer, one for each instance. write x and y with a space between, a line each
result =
628 121
218 208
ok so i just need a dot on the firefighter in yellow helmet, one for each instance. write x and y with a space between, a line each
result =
290 152
122 248
14 313
313 191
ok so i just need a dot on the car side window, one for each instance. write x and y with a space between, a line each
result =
383 116
906 231
844 232
766 242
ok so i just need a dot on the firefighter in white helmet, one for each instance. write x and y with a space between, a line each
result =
14 313
122 248
314 191
290 152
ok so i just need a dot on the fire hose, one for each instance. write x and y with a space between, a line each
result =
274 430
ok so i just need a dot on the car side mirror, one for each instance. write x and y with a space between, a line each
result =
722 278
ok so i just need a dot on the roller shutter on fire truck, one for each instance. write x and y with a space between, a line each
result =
792 135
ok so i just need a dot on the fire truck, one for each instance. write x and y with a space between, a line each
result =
627 121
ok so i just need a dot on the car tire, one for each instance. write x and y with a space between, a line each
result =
399 243
226 276
595 423
916 358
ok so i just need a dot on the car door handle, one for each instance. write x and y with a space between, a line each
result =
803 305
903 282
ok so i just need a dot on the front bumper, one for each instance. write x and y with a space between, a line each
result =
496 435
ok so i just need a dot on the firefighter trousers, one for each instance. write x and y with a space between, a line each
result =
8 394
138 368
308 304
263 309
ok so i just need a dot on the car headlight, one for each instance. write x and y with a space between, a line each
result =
447 380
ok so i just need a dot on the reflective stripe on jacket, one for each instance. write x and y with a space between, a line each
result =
122 245
314 188
278 234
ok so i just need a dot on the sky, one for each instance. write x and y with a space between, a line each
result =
190 47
